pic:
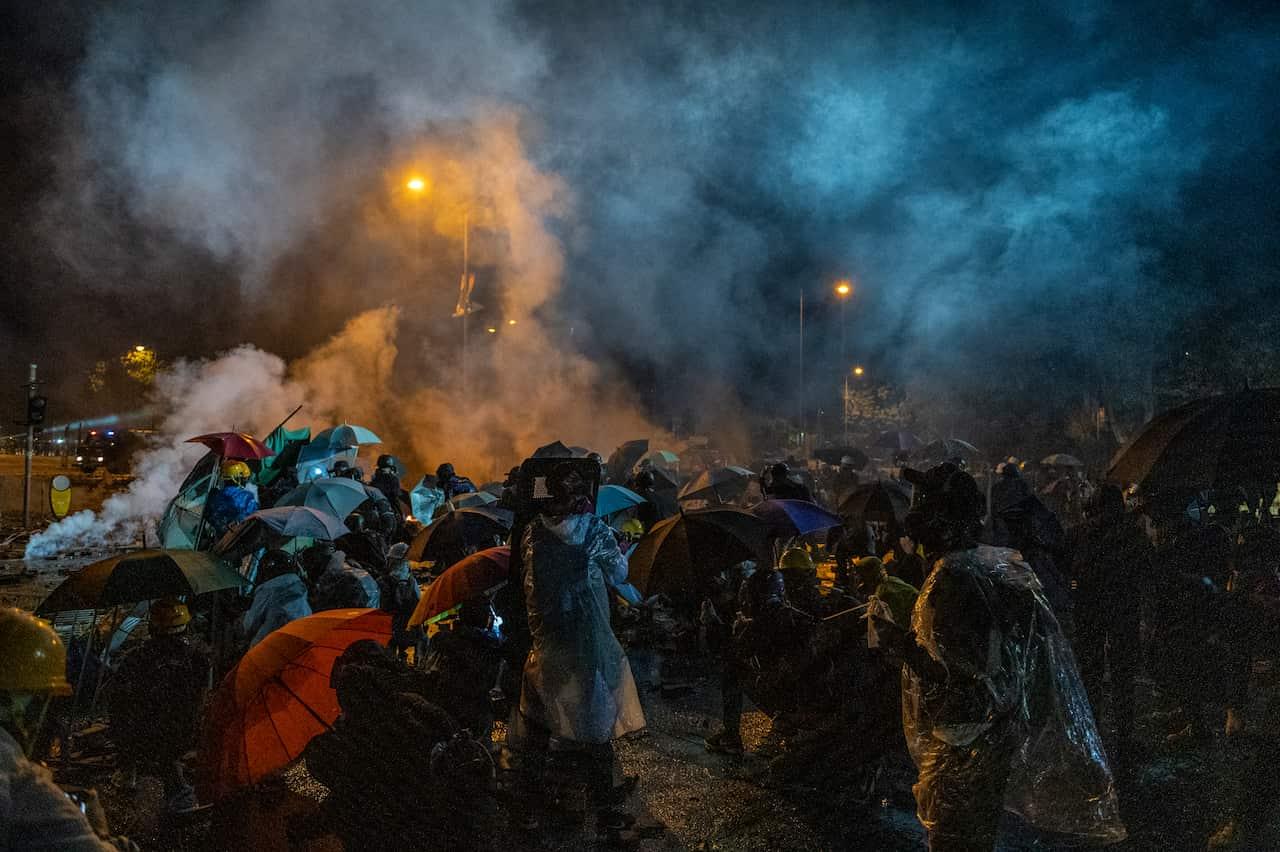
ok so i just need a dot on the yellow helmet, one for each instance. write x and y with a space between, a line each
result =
236 471
168 615
32 657
796 559
632 527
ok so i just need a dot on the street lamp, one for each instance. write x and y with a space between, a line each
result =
843 288
416 184
857 371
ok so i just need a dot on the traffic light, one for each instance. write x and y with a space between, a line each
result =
35 410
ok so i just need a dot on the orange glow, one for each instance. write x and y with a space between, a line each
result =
843 288
511 322
857 371
491 330
416 184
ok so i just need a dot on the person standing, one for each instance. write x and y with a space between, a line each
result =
279 596
232 502
577 687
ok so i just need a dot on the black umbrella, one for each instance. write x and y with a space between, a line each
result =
680 554
1223 443
899 442
554 450
833 455
141 575
877 501
624 458
451 536
948 449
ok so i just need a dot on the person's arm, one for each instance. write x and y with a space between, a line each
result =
607 556
39 816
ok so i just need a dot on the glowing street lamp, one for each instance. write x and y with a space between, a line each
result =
843 288
511 322
491 330
416 184
857 371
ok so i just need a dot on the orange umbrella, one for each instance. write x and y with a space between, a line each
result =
277 698
477 574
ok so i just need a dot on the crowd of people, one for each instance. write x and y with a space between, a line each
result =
997 642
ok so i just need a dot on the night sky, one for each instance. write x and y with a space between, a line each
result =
1037 204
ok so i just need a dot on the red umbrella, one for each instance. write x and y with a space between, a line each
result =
234 445
277 698
479 573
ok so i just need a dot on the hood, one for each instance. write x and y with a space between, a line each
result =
571 529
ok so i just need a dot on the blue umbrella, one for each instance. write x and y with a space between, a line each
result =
795 517
615 498
336 497
294 521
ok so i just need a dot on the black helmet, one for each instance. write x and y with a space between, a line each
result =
386 461
778 471
444 472
276 563
765 588
341 467
946 509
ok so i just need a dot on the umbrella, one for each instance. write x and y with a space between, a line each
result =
287 445
234 445
624 458
293 521
480 573
1223 443
554 450
615 498
663 458
323 456
950 448
334 496
494 488
718 484
833 455
1061 460
473 500
451 535
795 517
278 698
580 452
345 436
141 575
899 442
879 501
681 553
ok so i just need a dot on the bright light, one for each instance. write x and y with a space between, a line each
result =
491 330
511 322
416 184
99 458
857 371
843 288
139 348
79 458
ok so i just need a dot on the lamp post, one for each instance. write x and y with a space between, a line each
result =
418 186
843 289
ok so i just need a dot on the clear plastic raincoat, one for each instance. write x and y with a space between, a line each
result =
577 681
996 716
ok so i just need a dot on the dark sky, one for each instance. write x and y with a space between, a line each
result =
1039 200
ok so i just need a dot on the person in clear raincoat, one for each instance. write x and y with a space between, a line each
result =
994 711
577 692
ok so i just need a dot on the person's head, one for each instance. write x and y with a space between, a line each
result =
766 588
868 572
357 674
796 561
444 473
235 472
346 470
168 616
906 544
779 472
315 559
632 529
946 509
388 463
33 669
644 480
570 492
276 563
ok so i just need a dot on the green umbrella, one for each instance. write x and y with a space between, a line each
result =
141 575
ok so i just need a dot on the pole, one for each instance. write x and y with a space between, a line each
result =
801 389
844 366
466 299
31 449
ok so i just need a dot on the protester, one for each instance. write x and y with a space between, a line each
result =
577 684
719 613
451 484
984 735
232 502
398 594
904 561
779 484
1020 521
378 513
337 583
155 702
874 581
279 596
386 478
801 578
35 814
1110 568
464 665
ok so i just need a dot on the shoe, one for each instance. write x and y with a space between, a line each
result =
724 742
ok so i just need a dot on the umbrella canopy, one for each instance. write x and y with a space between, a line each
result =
580 452
1222 442
899 442
663 458
833 455
294 521
473 500
344 437
1061 460
795 517
949 448
877 501
680 554
494 488
234 445
624 458
721 484
615 498
141 575
554 450
480 573
334 496
287 444
459 531
278 698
